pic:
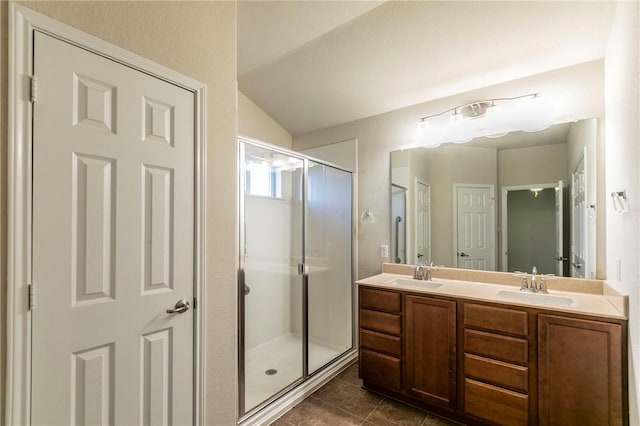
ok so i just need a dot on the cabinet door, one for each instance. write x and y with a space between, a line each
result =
580 372
430 336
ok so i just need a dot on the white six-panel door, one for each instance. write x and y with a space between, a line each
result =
579 221
475 240
113 242
423 223
559 212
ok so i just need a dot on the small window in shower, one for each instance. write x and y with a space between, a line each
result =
263 181
266 173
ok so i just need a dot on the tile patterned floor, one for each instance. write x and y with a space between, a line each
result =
343 402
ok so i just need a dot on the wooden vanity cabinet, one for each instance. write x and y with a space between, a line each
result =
581 370
493 364
380 331
408 346
496 364
430 342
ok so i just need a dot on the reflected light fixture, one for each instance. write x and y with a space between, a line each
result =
536 191
491 118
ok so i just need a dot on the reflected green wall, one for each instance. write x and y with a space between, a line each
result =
531 238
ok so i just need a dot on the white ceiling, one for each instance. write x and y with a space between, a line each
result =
269 30
315 64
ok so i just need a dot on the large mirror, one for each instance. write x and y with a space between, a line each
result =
503 204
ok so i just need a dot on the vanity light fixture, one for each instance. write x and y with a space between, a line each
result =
486 118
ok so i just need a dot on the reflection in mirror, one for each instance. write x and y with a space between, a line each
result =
505 204
399 223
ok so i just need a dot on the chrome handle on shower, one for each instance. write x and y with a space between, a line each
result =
242 284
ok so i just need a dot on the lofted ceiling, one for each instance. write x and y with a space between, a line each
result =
316 64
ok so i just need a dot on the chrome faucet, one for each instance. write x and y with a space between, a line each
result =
534 278
542 287
537 282
429 269
418 274
423 272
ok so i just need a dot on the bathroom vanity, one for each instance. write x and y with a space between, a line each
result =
483 353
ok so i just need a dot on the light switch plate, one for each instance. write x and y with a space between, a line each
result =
384 251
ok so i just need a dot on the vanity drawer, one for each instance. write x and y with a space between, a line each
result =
495 404
380 369
497 372
388 301
380 321
510 349
502 320
379 342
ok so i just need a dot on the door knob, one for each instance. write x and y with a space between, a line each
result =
182 306
463 254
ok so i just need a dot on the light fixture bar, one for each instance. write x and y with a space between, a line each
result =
485 118
474 105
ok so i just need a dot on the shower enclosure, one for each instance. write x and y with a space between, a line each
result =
296 270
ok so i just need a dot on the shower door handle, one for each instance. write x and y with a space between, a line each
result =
243 287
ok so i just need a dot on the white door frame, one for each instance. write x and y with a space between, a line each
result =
492 189
415 220
584 226
22 23
503 216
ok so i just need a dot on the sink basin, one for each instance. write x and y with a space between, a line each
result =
536 298
425 285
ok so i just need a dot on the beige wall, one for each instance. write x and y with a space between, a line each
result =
441 168
532 165
343 154
197 39
622 160
254 123
379 135
455 164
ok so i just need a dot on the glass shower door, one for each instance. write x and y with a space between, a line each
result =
329 264
271 288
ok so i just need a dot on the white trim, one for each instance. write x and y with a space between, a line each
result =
588 244
503 216
427 255
200 253
22 23
492 189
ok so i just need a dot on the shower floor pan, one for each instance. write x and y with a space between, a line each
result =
276 364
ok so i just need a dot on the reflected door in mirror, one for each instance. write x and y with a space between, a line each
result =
475 227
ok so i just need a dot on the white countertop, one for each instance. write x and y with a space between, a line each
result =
581 303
